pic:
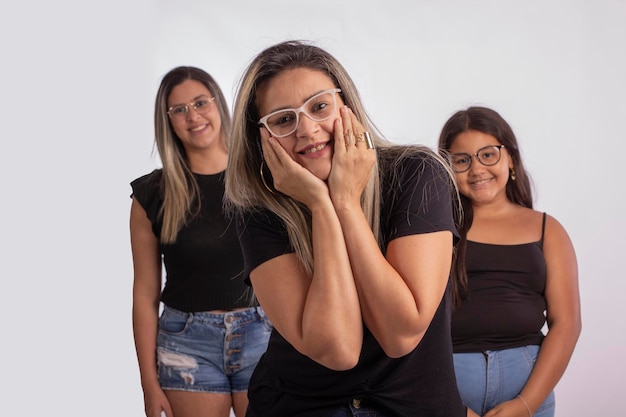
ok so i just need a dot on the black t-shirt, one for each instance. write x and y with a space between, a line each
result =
204 266
506 302
286 383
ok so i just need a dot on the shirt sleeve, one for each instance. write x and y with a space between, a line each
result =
419 199
147 192
262 236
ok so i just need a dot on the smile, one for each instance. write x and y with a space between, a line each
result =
314 149
481 181
198 128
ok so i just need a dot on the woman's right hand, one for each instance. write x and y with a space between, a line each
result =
471 413
156 403
290 178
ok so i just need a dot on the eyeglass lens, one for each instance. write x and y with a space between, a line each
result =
202 105
489 155
318 108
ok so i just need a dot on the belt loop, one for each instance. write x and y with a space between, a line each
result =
260 311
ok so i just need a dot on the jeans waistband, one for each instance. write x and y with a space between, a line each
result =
213 317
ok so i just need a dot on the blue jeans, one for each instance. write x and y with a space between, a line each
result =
210 352
486 379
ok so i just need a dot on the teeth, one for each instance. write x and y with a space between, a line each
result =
315 148
195 129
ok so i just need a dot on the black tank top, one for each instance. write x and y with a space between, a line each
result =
505 307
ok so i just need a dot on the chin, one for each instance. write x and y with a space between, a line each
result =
322 173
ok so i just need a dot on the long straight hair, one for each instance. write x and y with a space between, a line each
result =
178 184
519 191
245 187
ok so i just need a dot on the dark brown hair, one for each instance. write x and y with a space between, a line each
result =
488 121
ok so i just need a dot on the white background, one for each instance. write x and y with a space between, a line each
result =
77 87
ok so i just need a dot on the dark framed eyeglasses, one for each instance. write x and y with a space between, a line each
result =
488 156
202 105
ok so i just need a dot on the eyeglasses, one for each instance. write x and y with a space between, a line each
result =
488 156
318 108
202 105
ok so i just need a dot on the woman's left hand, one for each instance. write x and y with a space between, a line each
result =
352 161
511 408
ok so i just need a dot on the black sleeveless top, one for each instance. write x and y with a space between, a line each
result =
505 307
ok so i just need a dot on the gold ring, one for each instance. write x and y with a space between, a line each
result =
368 140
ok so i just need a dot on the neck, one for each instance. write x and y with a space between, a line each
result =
493 210
208 162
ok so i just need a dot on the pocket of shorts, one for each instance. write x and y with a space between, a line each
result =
172 323
268 324
530 353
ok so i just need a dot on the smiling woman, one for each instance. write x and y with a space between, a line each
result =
197 357
347 242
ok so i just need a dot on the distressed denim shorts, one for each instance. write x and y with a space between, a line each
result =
210 352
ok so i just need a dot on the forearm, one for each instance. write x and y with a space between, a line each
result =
145 327
554 355
388 305
332 322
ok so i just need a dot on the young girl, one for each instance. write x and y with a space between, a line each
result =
514 264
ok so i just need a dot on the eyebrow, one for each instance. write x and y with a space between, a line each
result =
472 153
307 99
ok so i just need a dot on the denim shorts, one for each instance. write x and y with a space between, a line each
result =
210 352
486 379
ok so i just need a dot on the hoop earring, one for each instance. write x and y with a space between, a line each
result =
263 177
513 177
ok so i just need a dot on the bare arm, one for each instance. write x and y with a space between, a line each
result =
400 293
319 314
146 292
563 318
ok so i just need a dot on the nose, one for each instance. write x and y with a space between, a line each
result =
306 126
475 165
192 113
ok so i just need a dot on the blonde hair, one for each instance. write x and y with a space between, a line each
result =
179 186
245 188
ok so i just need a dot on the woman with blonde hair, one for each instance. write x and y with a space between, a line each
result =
347 242
197 357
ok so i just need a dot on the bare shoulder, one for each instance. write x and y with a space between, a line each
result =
528 217
558 248
528 224
555 233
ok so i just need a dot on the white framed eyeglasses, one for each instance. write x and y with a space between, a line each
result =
488 156
318 108
202 105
